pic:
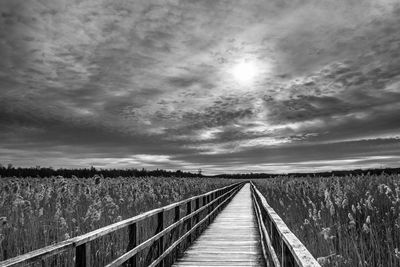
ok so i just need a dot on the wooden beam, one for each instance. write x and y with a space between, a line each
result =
82 255
133 232
177 230
197 217
268 250
298 251
161 240
189 222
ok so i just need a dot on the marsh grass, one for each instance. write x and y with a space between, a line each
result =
36 212
343 221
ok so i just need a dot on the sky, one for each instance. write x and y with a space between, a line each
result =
222 85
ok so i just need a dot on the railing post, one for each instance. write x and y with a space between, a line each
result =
189 223
270 231
209 209
133 242
161 240
178 232
205 202
197 216
82 255
284 262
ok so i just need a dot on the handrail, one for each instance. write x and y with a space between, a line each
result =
132 252
82 243
266 244
149 241
282 247
176 243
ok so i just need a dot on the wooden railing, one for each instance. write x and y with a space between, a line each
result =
280 246
172 234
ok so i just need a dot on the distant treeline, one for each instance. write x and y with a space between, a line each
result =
342 173
339 173
11 171
247 175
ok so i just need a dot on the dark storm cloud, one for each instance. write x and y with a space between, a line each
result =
306 107
154 83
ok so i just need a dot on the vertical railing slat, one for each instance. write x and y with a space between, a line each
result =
161 241
209 209
133 233
177 217
189 223
82 255
197 217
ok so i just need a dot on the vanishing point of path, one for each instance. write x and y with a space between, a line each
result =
231 240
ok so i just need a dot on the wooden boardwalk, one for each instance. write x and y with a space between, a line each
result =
232 239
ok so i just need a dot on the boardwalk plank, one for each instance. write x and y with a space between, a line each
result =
231 240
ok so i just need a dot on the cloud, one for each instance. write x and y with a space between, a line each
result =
149 83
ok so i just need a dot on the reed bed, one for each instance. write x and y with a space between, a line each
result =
35 212
343 221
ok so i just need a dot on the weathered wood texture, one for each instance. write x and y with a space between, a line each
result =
232 239
282 247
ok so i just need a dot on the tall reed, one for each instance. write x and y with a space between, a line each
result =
35 212
343 221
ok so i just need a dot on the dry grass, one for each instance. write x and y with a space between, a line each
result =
35 212
347 221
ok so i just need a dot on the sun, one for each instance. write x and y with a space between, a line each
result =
244 72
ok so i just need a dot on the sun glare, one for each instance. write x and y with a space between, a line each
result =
244 72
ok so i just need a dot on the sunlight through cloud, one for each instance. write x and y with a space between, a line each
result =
245 72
